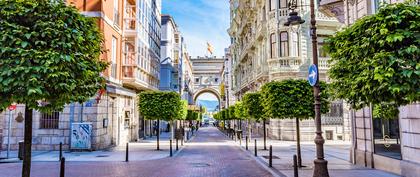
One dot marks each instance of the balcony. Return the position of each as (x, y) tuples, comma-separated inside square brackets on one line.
[(284, 64), (130, 20), (323, 63), (333, 8)]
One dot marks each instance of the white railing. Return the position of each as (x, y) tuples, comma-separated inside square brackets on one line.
[(323, 62), (285, 63), (322, 16)]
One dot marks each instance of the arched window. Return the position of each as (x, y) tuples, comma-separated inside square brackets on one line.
[(284, 44), (273, 47)]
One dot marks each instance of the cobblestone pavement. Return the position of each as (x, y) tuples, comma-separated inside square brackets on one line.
[(209, 154)]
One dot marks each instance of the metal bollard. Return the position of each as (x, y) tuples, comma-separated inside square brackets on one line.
[(246, 142), (126, 152), (177, 144), (270, 160), (188, 135), (62, 166), (61, 150), (255, 147), (295, 166), (170, 148)]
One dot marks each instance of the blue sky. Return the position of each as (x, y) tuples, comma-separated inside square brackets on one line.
[(200, 21)]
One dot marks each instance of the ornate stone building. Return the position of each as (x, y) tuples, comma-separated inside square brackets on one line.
[(390, 145), (264, 50)]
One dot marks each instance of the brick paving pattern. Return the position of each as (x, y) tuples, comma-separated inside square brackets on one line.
[(209, 154)]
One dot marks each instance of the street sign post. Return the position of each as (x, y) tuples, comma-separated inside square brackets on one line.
[(313, 75)]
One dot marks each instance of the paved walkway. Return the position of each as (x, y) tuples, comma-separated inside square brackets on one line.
[(143, 150), (337, 153), (209, 154)]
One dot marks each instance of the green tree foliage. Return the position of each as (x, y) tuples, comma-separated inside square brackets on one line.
[(292, 99), (385, 111), (160, 105), (240, 111), (184, 110), (49, 52), (376, 60), (253, 105), (231, 112)]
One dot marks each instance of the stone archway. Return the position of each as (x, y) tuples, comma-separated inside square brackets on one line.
[(208, 90)]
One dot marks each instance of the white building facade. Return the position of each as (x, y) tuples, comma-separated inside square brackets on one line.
[(265, 50)]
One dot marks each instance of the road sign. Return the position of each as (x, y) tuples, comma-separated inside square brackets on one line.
[(12, 107), (313, 75)]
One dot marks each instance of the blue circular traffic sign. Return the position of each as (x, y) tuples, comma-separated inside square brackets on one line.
[(313, 75)]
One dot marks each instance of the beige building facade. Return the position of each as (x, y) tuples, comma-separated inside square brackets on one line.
[(265, 50), (390, 145), (131, 30)]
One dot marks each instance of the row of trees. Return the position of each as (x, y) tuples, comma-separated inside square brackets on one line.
[(285, 99), (168, 106)]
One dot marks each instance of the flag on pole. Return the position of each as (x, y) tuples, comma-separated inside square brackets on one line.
[(210, 48)]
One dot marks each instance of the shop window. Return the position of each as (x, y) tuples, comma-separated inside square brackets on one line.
[(386, 134)]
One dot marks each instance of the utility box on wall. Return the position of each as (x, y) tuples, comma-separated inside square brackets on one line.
[(81, 136)]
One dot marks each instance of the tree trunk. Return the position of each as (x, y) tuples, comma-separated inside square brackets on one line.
[(249, 130), (158, 133), (265, 136), (26, 168), (299, 160)]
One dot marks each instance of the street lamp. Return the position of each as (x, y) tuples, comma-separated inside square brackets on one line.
[(320, 164)]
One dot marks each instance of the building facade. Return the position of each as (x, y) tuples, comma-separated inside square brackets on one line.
[(228, 98), (131, 31), (391, 145), (264, 50), (207, 72)]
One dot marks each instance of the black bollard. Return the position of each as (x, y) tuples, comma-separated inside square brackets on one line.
[(126, 152), (188, 135), (62, 166), (170, 148), (295, 166), (255, 148), (61, 150), (270, 160), (246, 142), (177, 144)]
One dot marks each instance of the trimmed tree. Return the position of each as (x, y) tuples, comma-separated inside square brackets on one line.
[(376, 60), (157, 105), (49, 57), (253, 105), (293, 99)]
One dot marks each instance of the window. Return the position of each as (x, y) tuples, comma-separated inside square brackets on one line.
[(114, 57), (283, 4), (386, 134), (272, 5), (284, 44), (116, 13), (273, 47), (197, 80), (49, 121), (216, 80)]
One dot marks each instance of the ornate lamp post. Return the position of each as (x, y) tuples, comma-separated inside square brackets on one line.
[(320, 164)]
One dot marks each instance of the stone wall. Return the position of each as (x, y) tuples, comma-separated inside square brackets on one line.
[(111, 109)]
